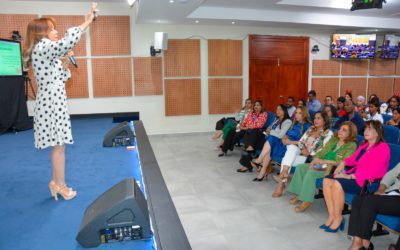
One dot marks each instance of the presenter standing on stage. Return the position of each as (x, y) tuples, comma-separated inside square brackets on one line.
[(52, 126)]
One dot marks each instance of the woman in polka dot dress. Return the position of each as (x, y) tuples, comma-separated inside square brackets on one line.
[(52, 127)]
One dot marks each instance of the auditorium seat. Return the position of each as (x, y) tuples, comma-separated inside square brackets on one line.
[(386, 118), (392, 134)]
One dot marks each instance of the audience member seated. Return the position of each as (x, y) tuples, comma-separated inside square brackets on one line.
[(275, 147), (313, 104), (360, 103), (277, 130), (341, 146), (301, 103), (352, 116), (330, 110), (365, 207), (374, 111), (392, 104), (348, 96), (250, 129), (340, 106), (369, 162), (309, 144), (232, 125), (290, 106), (327, 101), (395, 121)]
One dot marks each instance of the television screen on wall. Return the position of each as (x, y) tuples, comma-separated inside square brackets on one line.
[(10, 58), (390, 47), (353, 46)]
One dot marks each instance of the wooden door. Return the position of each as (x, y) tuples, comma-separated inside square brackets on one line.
[(278, 68)]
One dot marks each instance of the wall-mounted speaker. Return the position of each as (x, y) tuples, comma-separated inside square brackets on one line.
[(119, 214), (160, 41)]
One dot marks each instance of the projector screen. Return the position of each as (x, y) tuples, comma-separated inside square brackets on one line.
[(10, 58)]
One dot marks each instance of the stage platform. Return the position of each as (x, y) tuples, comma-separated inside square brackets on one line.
[(31, 219)]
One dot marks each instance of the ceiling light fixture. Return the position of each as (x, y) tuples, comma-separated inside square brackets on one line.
[(197, 21), (233, 22), (131, 2), (171, 1)]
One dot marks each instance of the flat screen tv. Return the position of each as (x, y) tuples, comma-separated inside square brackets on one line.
[(390, 47), (10, 58), (353, 46)]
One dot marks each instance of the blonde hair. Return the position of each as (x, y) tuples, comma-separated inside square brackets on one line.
[(37, 29), (305, 115)]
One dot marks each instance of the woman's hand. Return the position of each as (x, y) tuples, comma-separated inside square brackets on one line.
[(268, 130), (339, 168), (391, 122), (91, 12), (305, 152), (286, 141), (342, 175)]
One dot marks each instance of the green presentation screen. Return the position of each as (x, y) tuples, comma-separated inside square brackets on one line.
[(10, 58)]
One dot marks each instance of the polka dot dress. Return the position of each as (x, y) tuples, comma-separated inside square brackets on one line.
[(52, 125)]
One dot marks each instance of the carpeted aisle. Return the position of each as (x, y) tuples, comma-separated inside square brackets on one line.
[(29, 216)]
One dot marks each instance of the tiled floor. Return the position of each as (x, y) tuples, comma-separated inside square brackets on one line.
[(222, 209)]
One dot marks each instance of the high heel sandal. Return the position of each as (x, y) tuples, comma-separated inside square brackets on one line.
[(258, 166), (294, 200), (280, 187), (259, 179), (340, 227), (66, 192), (302, 207)]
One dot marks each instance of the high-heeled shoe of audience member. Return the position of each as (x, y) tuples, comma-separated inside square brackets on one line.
[(66, 192), (302, 207), (256, 165), (340, 227), (222, 154), (280, 188)]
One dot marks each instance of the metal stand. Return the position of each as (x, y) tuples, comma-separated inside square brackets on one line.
[(28, 84)]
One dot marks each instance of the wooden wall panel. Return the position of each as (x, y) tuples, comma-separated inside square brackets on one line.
[(325, 67), (224, 95), (225, 57), (110, 35), (11, 22), (355, 67), (398, 66), (324, 87), (382, 87), (182, 58), (396, 88), (358, 86), (148, 75), (182, 97), (382, 67), (77, 85), (112, 77), (65, 22)]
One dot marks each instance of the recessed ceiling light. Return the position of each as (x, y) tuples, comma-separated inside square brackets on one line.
[(158, 21), (197, 21), (171, 1), (131, 2), (233, 22)]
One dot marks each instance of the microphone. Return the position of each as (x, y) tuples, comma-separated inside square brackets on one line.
[(73, 61)]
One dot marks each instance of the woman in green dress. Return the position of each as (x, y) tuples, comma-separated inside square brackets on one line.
[(341, 146)]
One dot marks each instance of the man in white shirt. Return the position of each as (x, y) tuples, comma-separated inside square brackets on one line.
[(290, 106)]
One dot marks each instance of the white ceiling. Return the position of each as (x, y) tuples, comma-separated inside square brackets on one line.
[(322, 14)]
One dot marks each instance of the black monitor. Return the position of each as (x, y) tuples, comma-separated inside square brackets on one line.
[(10, 58)]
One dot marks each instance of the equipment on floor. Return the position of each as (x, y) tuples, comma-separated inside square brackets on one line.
[(120, 135), (119, 214)]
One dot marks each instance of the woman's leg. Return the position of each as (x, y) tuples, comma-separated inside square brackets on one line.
[(296, 184), (265, 163), (265, 151), (287, 161), (327, 190), (217, 135), (338, 204), (58, 164), (308, 186)]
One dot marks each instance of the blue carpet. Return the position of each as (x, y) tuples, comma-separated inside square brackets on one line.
[(29, 216)]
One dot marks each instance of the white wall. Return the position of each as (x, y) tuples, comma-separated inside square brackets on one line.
[(151, 108)]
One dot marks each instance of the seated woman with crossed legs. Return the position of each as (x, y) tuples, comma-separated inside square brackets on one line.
[(341, 146), (309, 144), (365, 207), (369, 162), (277, 129), (275, 147)]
